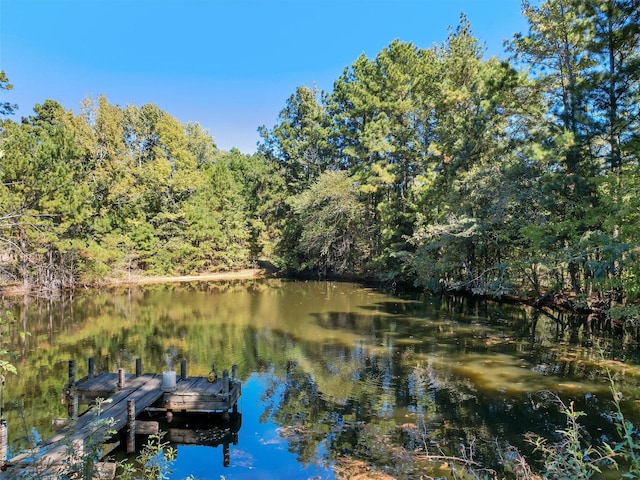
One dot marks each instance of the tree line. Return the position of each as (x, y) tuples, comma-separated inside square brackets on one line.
[(114, 191), (475, 175), (436, 166)]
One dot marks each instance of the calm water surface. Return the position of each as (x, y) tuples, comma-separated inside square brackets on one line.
[(335, 375)]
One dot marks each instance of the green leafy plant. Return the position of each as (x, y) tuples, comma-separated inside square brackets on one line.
[(572, 457), (83, 458), (155, 461), (628, 448)]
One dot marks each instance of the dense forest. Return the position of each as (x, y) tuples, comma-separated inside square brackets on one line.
[(515, 176)]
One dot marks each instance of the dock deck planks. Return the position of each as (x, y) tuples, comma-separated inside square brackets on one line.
[(54, 451), (191, 395)]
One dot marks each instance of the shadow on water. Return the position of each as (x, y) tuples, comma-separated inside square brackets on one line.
[(338, 378)]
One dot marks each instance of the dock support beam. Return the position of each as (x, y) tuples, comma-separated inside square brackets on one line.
[(131, 426), (138, 367), (183, 369)]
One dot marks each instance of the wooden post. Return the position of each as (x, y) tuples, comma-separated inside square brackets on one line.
[(225, 381), (131, 425), (72, 373), (91, 369), (72, 406), (72, 399), (234, 372), (121, 378), (138, 367), (226, 456), (4, 440), (183, 369)]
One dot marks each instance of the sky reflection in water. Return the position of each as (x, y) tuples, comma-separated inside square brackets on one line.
[(261, 453)]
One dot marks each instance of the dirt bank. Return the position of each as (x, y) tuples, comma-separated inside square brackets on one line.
[(248, 273), (205, 277)]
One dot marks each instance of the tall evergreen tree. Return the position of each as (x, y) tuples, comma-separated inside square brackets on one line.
[(612, 28), (556, 49), (466, 235), (6, 108), (299, 141), (379, 124), (47, 192)]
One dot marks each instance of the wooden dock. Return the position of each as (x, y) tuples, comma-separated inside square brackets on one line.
[(127, 397)]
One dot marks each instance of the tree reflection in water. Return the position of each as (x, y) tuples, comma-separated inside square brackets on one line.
[(354, 380)]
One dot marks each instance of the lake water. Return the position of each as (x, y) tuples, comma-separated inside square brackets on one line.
[(339, 380)]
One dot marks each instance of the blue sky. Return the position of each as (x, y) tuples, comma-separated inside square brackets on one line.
[(229, 65)]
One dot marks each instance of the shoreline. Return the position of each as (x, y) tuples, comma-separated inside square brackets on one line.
[(244, 274)]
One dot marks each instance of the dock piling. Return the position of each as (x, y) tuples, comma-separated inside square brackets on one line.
[(183, 369), (138, 367), (121, 378), (72, 373), (226, 455), (91, 367), (131, 426), (225, 382), (234, 372), (72, 406), (4, 440)]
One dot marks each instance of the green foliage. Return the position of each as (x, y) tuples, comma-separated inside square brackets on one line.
[(46, 194), (259, 180), (575, 457), (628, 445), (461, 172), (117, 191), (82, 461), (332, 235), (6, 108), (155, 461), (572, 457), (579, 60), (378, 120), (299, 143)]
